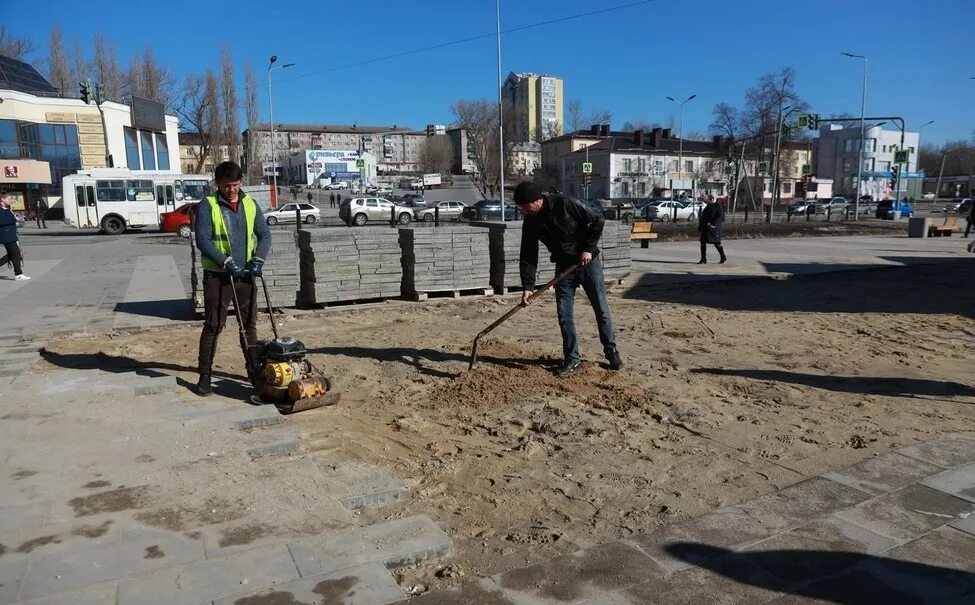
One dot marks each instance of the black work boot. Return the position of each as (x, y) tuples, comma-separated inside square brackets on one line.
[(615, 361), (721, 252), (203, 386), (568, 368)]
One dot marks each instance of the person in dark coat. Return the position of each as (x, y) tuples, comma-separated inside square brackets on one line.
[(8, 237), (709, 224), (310, 197), (331, 200), (971, 219), (39, 209)]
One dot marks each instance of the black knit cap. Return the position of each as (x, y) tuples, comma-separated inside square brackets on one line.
[(527, 192)]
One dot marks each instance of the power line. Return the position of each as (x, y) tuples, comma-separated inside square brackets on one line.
[(471, 39)]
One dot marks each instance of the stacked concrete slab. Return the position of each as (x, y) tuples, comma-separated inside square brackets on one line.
[(444, 259), (615, 248), (281, 271), (342, 264)]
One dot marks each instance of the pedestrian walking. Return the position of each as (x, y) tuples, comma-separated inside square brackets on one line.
[(8, 237), (970, 219), (233, 239), (709, 224), (39, 209), (294, 194), (570, 232), (310, 197), (331, 200)]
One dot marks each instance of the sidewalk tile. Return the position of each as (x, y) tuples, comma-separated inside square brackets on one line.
[(851, 587), (658, 545), (369, 584), (141, 551), (581, 575), (800, 503), (906, 513), (728, 579), (966, 524), (883, 474), (959, 482), (935, 567), (946, 451), (822, 548), (103, 594), (395, 543), (204, 581)]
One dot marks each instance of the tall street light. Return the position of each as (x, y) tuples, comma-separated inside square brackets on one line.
[(680, 134), (917, 166), (863, 135), (500, 113), (270, 108)]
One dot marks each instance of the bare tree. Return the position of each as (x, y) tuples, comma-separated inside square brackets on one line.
[(637, 124), (437, 154), (959, 158), (573, 111), (80, 66), (150, 75), (600, 116), (200, 109), (576, 120), (252, 113), (479, 117), (230, 106), (58, 73), (105, 66), (132, 81), (726, 120), (14, 47)]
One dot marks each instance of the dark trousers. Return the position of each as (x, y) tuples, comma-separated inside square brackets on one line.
[(40, 220), (217, 296), (591, 279), (968, 228), (13, 256)]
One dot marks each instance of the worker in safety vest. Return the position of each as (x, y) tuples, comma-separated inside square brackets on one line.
[(233, 239)]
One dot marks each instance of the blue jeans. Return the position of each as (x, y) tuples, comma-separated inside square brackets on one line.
[(591, 280)]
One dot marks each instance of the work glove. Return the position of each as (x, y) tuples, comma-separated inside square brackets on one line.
[(231, 267), (256, 267)]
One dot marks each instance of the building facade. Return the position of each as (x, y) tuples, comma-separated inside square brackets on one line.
[(319, 167), (523, 159), (463, 152), (44, 137), (397, 149), (191, 151), (837, 152), (537, 103)]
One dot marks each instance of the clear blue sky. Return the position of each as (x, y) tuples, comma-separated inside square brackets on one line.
[(921, 53)]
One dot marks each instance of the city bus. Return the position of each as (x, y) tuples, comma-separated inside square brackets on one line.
[(113, 199)]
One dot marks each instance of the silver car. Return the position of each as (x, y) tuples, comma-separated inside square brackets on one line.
[(360, 210), (449, 211)]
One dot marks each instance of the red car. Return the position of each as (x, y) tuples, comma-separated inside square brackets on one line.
[(177, 221)]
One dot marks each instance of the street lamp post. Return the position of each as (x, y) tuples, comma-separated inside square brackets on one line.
[(863, 135), (680, 134), (917, 166), (783, 112), (500, 112), (270, 110)]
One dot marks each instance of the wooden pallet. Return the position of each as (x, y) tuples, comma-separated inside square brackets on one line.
[(421, 296)]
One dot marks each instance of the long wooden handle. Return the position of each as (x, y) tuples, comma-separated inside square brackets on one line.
[(534, 295)]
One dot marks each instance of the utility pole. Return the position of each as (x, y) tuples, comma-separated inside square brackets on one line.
[(270, 109), (680, 135), (783, 111), (863, 135), (500, 113)]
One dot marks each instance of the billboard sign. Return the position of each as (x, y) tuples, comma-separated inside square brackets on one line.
[(148, 115)]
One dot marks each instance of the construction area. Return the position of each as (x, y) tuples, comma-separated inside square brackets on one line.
[(431, 482)]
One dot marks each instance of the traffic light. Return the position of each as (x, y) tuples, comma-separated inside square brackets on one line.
[(98, 94), (813, 122), (893, 180), (85, 92)]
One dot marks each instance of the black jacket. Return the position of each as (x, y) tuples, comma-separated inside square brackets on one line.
[(713, 215), (8, 226), (566, 227)]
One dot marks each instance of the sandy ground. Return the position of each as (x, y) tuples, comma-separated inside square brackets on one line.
[(731, 390)]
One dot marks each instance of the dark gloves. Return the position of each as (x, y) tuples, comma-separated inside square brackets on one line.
[(256, 267), (231, 267)]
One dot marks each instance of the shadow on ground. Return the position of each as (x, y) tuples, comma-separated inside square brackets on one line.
[(866, 385), (920, 287), (422, 359), (174, 309), (225, 385), (845, 578)]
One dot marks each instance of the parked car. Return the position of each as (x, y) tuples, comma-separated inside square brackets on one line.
[(416, 199), (803, 207), (360, 210), (384, 190), (886, 209), (620, 211), (449, 211), (962, 205), (177, 221), (695, 205), (286, 214), (666, 210), (338, 185), (487, 210), (929, 196), (832, 206)]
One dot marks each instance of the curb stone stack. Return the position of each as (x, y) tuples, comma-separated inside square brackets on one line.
[(444, 259), (347, 264), (615, 248), (281, 272)]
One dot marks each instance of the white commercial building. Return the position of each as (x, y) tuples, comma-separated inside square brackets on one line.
[(837, 153), (318, 167)]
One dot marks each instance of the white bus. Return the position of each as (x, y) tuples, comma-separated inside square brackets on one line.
[(114, 199)]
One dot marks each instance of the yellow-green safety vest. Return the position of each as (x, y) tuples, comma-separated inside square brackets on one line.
[(220, 235)]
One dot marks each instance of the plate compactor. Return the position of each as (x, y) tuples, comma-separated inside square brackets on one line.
[(279, 369)]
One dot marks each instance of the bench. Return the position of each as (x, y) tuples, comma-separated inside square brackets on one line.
[(947, 228), (641, 232)]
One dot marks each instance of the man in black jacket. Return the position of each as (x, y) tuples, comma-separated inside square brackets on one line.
[(571, 233)]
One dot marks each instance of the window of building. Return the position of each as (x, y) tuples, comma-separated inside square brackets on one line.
[(911, 149), (847, 166), (9, 146), (148, 155), (139, 191), (132, 148), (642, 189), (627, 165), (883, 166), (162, 152), (688, 165), (641, 165), (658, 166), (868, 164), (787, 187), (56, 144), (625, 188), (673, 165), (110, 191), (871, 145)]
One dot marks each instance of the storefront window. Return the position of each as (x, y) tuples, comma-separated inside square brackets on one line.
[(8, 140), (162, 152), (148, 156), (132, 149)]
